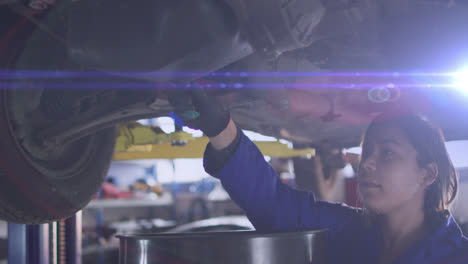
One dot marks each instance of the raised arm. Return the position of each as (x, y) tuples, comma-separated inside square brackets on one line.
[(251, 181), (270, 204), (225, 138)]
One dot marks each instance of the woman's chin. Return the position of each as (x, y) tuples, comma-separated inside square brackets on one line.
[(371, 205)]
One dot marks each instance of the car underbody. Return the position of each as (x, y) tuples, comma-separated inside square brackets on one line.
[(312, 72)]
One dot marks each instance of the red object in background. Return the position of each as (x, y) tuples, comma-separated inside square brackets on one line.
[(110, 191), (352, 197), (358, 97)]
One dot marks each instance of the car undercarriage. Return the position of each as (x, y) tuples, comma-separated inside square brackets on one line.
[(311, 72)]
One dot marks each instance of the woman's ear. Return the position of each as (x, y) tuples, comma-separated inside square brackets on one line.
[(432, 171)]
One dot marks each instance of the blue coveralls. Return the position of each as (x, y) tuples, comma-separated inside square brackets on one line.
[(272, 206)]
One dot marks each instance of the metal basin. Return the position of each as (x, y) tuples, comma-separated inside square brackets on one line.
[(236, 247)]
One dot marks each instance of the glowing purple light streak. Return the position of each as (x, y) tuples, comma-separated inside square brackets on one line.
[(139, 85), (31, 74)]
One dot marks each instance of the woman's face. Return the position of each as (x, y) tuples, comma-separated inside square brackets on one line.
[(388, 174)]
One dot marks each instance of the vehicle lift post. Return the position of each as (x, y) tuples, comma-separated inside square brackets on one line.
[(54, 243)]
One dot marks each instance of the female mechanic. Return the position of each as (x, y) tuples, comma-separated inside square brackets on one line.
[(406, 183)]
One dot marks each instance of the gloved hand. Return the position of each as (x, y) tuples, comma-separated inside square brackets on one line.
[(197, 110)]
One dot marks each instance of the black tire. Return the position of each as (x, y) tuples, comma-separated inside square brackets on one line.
[(36, 187), (36, 191)]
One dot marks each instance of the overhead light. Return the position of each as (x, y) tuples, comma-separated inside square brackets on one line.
[(461, 81)]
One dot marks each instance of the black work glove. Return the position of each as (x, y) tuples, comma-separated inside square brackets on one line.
[(197, 110)]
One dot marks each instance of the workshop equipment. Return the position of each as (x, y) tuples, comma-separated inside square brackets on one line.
[(136, 141), (247, 247)]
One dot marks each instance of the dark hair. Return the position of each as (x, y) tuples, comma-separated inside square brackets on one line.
[(429, 143)]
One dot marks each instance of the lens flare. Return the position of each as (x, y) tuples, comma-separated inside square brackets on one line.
[(462, 81)]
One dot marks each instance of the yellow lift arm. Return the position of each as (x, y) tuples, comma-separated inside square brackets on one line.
[(136, 141)]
